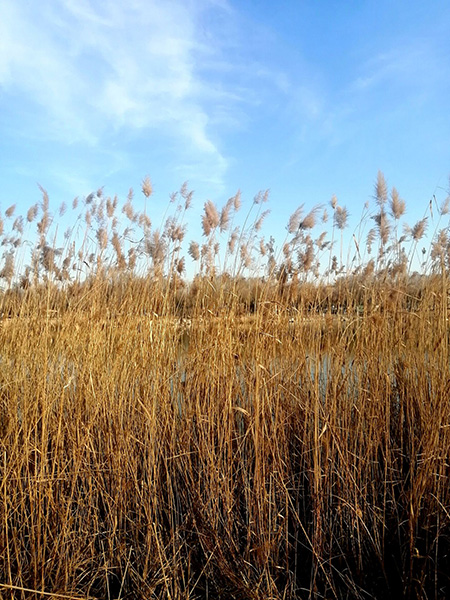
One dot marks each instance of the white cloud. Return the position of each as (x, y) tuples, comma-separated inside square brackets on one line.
[(395, 84), (36, 68), (95, 67), (182, 72), (417, 69)]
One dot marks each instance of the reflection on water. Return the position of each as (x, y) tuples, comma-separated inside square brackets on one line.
[(311, 371)]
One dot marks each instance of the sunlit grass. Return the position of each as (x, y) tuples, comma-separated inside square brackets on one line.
[(277, 428)]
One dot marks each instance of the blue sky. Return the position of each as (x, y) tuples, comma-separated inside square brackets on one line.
[(305, 98)]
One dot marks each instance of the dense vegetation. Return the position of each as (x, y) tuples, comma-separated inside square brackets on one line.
[(277, 427)]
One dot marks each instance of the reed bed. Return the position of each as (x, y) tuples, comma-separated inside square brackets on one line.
[(263, 431)]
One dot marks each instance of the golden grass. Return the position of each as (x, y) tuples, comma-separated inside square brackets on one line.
[(237, 438)]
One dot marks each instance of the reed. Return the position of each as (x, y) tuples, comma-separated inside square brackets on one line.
[(277, 427)]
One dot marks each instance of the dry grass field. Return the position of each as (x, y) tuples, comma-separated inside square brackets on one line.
[(246, 437)]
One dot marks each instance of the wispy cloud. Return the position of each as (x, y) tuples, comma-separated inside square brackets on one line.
[(417, 68), (34, 68), (95, 68), (394, 85), (180, 74)]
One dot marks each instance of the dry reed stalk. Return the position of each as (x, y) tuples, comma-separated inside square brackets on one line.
[(294, 436)]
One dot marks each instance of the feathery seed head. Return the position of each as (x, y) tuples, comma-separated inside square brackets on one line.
[(44, 223), (294, 220), (18, 225), (320, 242), (233, 239), (418, 231), (261, 197), (48, 258), (383, 225), (157, 248), (7, 271), (187, 195), (260, 221), (102, 237), (32, 213), (262, 247), (109, 208), (180, 265), (438, 247), (309, 221), (225, 217), (147, 188), (132, 258), (245, 256), (370, 240), (397, 205), (237, 200), (10, 211), (128, 209), (144, 221), (45, 199), (194, 250), (381, 190), (445, 207), (340, 217), (210, 219)]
